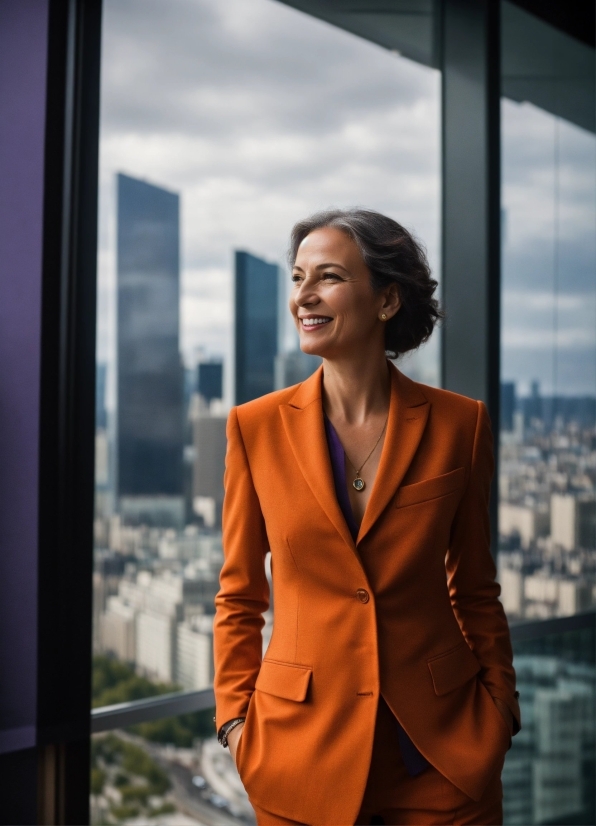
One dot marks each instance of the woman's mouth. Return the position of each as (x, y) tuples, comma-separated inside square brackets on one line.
[(313, 323)]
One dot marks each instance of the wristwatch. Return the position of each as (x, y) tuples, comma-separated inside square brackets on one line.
[(222, 735)]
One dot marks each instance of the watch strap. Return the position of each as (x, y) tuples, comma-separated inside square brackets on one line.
[(222, 735)]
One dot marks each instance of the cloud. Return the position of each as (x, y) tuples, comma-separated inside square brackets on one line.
[(525, 301), (200, 65), (549, 187)]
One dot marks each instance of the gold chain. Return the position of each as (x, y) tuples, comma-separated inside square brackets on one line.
[(368, 457)]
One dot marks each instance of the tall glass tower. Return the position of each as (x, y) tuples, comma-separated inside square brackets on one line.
[(150, 375), (256, 320)]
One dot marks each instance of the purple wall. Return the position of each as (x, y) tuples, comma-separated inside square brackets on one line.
[(23, 55)]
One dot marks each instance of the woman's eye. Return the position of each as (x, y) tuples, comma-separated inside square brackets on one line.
[(295, 278), (332, 276)]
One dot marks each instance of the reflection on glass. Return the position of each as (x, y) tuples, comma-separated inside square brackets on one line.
[(549, 771), (218, 131), (547, 479)]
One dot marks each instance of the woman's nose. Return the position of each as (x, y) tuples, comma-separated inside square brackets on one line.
[(306, 294)]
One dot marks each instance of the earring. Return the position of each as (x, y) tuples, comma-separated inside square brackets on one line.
[(383, 317)]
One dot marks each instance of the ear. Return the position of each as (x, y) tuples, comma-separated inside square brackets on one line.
[(391, 301)]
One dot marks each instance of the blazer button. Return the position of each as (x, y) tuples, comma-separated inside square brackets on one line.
[(362, 595)]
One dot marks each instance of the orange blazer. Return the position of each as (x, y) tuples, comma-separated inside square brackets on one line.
[(410, 610)]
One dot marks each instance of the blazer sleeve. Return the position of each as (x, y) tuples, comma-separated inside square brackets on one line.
[(244, 590), (471, 576)]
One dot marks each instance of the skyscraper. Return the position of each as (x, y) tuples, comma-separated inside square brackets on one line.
[(150, 375), (209, 437), (256, 320), (508, 404), (101, 418), (210, 380)]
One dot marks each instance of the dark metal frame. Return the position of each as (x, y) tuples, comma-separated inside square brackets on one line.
[(537, 629), (471, 218), (67, 411)]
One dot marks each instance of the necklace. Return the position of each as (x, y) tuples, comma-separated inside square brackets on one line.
[(359, 484)]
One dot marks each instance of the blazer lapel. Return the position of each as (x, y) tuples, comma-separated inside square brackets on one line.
[(303, 422), (408, 414)]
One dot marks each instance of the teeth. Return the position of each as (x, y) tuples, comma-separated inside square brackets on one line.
[(310, 322)]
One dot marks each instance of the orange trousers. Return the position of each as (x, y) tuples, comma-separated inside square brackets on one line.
[(391, 796)]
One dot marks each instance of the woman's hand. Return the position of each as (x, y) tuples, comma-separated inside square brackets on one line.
[(234, 739), (505, 711)]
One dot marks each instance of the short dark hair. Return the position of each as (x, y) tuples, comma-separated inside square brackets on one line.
[(393, 256)]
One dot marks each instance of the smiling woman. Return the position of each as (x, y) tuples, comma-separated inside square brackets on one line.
[(334, 690), (390, 257)]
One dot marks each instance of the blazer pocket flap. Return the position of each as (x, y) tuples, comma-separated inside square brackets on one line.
[(453, 669), (430, 488), (284, 680)]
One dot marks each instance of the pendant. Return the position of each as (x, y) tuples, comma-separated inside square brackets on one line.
[(358, 484)]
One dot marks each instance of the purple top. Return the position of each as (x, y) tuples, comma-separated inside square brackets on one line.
[(338, 465), (414, 762)]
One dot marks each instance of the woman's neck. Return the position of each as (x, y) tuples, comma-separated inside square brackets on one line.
[(354, 390)]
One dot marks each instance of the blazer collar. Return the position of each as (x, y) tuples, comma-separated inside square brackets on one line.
[(408, 414), (303, 421)]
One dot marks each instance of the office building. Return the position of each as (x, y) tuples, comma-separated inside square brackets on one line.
[(512, 590), (155, 652), (575, 595), (101, 418), (209, 439), (194, 658), (117, 630), (150, 374), (508, 405), (533, 406), (563, 714), (102, 459), (527, 523), (573, 521), (256, 326), (141, 624), (563, 520), (210, 380)]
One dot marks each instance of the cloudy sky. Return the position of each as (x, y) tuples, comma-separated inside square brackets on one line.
[(549, 252), (257, 115)]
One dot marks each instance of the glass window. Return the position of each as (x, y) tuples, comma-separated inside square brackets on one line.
[(168, 773), (547, 512), (549, 772), (222, 123)]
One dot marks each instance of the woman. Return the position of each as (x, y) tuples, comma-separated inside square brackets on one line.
[(387, 692)]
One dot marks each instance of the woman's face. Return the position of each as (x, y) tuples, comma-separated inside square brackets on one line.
[(335, 308)]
